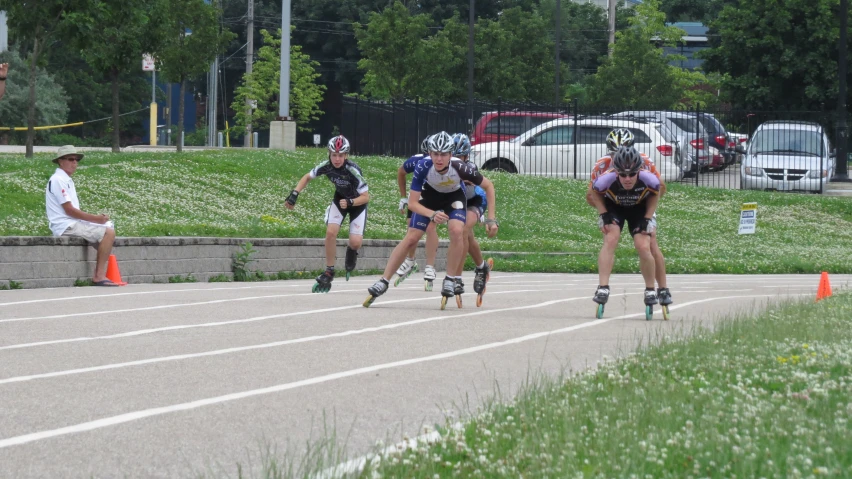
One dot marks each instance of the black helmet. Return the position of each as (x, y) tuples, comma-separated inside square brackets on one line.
[(627, 160)]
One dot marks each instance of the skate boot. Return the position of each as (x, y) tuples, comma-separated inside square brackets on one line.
[(406, 269), (665, 297), (601, 297), (429, 276), (459, 290), (479, 281), (323, 284), (448, 290), (351, 261), (650, 301), (378, 288)]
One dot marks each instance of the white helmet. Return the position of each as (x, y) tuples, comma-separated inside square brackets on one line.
[(338, 144), (442, 143)]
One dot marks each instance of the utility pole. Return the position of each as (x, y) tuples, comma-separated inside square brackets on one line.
[(556, 96), (611, 26), (212, 96), (284, 80), (471, 20), (841, 172), (249, 60)]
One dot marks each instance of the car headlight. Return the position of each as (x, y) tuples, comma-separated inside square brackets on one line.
[(817, 174), (753, 171)]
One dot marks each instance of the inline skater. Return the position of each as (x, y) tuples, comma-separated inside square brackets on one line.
[(626, 194), (437, 196), (350, 198), (476, 205), (624, 137), (409, 266)]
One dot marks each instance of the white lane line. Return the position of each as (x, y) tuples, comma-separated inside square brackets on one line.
[(146, 413), (179, 305), (140, 332), (287, 342)]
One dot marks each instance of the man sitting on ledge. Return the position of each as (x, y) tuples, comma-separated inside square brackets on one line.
[(66, 218)]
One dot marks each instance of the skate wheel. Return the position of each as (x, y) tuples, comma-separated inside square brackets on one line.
[(427, 286), (443, 303), (600, 311), (348, 274), (665, 309), (315, 288), (459, 301), (490, 262), (649, 312), (479, 300), (369, 301)]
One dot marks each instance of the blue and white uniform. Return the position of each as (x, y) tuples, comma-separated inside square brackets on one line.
[(442, 191)]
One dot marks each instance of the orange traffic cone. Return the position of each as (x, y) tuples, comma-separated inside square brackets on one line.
[(824, 289), (113, 274)]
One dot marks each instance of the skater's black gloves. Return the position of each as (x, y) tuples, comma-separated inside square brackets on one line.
[(291, 200), (644, 226), (607, 218), (492, 222), (349, 203)]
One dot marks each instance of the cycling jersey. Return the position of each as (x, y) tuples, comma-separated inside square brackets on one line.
[(605, 164), (411, 163), (426, 176), (646, 184), (348, 180)]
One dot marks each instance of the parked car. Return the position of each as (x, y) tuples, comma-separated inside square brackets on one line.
[(550, 148), (719, 138), (788, 156), (693, 150), (505, 125)]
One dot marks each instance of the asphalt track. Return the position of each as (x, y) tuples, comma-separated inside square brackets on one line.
[(171, 380)]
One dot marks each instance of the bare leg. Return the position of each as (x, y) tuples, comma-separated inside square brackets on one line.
[(473, 245), (646, 259), (659, 263), (331, 244), (104, 250), (398, 254), (606, 258), (431, 244), (456, 251)]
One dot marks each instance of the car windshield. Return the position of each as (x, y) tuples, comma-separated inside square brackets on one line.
[(787, 141)]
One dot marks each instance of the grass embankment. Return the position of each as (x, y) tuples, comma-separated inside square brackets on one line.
[(758, 397), (241, 194)]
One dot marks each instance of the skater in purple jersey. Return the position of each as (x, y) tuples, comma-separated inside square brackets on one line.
[(630, 195)]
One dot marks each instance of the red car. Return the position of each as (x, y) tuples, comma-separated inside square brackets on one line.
[(511, 124)]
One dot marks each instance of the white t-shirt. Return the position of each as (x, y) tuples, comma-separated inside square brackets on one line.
[(60, 189)]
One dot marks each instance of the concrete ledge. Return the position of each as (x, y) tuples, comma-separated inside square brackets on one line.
[(46, 261)]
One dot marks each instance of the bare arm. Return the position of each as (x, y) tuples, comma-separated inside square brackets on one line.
[(299, 187), (651, 205), (82, 215), (491, 198), (4, 71), (401, 175), (597, 200)]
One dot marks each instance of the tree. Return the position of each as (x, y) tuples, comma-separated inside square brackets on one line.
[(262, 86), (34, 25), (393, 49), (638, 75), (778, 53), (50, 107), (124, 31), (192, 39)]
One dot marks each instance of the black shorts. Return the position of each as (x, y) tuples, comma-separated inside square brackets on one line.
[(633, 215), (453, 204), (475, 202)]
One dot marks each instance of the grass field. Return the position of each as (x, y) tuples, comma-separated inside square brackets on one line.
[(766, 396), (241, 194)]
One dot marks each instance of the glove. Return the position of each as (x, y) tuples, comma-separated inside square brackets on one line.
[(291, 200), (644, 226), (349, 203), (403, 204), (607, 218)]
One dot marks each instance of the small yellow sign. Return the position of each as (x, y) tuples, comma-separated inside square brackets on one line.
[(748, 219)]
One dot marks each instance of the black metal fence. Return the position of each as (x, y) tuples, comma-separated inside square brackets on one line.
[(773, 150)]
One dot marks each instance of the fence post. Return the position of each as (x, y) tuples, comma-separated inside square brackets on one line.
[(393, 127), (574, 134), (417, 120), (703, 141), (355, 125), (499, 127)]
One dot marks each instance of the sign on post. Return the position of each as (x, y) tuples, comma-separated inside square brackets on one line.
[(148, 64), (316, 140), (748, 219)]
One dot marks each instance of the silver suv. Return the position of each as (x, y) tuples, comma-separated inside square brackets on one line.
[(788, 156)]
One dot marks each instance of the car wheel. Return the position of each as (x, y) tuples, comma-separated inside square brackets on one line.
[(500, 164)]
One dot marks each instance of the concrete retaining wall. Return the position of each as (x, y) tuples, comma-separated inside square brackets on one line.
[(41, 262)]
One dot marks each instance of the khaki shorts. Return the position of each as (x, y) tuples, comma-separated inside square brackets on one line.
[(88, 231)]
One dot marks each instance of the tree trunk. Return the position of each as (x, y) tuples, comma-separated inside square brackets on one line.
[(116, 118), (31, 111), (180, 114)]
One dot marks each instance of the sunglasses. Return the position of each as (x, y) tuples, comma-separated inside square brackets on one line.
[(71, 158), (628, 175)]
